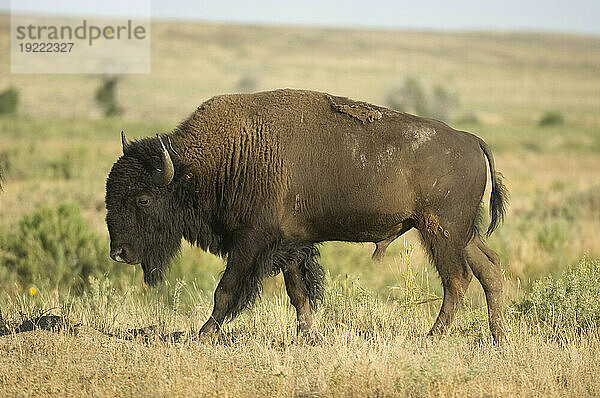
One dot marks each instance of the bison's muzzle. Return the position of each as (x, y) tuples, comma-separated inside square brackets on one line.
[(123, 254)]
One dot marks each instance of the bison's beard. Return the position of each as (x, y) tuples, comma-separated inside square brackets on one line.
[(157, 261), (153, 274)]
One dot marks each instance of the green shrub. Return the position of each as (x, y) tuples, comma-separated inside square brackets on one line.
[(9, 100), (106, 96), (551, 118), (570, 303), (468, 118), (248, 83), (413, 97), (54, 245), (410, 97), (443, 103)]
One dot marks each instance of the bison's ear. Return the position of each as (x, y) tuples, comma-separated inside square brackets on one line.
[(124, 142)]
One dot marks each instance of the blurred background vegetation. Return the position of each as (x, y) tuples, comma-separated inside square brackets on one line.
[(535, 98)]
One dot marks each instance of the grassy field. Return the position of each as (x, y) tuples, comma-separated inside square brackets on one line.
[(369, 334)]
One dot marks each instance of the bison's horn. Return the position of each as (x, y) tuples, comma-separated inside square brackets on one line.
[(124, 142), (163, 177)]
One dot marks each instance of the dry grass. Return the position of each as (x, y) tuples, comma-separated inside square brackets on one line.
[(360, 346), (341, 364)]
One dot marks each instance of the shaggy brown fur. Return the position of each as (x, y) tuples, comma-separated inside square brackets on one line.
[(262, 178)]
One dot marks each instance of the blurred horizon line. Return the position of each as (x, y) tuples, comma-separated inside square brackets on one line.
[(578, 17), (332, 26)]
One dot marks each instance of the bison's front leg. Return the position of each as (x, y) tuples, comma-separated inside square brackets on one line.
[(298, 297), (223, 297), (240, 284)]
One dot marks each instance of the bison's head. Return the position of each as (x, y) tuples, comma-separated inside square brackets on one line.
[(142, 215)]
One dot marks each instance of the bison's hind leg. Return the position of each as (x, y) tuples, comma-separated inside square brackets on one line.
[(446, 249), (485, 264), (304, 281)]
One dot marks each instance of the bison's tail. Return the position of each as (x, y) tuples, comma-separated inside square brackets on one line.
[(499, 196)]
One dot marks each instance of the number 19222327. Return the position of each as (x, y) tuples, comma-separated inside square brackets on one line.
[(45, 47)]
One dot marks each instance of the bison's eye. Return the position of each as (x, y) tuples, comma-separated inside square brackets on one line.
[(143, 200)]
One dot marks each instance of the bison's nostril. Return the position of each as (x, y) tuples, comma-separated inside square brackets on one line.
[(115, 254)]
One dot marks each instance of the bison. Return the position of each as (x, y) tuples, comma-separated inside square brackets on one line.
[(261, 179)]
